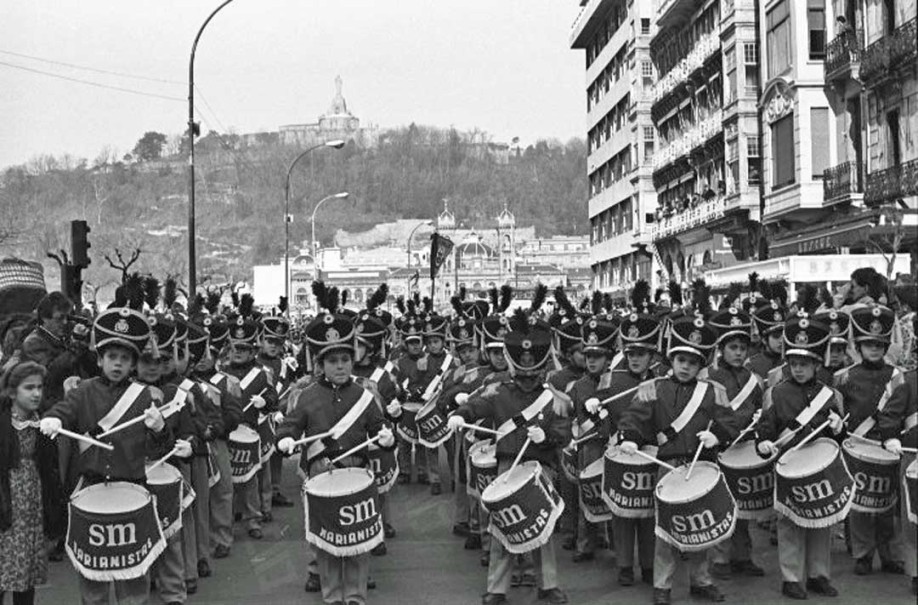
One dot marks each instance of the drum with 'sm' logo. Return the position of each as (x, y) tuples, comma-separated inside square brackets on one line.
[(813, 487), (524, 507), (342, 512)]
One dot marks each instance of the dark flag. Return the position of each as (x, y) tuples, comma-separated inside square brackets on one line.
[(413, 280), (440, 248)]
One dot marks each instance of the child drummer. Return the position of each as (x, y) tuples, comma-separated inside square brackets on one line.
[(528, 348), (95, 405), (803, 552), (334, 400), (678, 413)]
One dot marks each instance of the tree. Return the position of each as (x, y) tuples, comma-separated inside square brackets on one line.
[(150, 146)]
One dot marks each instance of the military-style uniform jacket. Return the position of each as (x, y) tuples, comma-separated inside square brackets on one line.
[(582, 422), (744, 390), (763, 362), (862, 387), (378, 378), (782, 372), (317, 409), (649, 418), (563, 380), (784, 402), (201, 410), (899, 419), (224, 392), (253, 380), (282, 372), (613, 383)]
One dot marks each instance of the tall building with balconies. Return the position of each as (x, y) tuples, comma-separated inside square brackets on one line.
[(615, 35), (707, 168)]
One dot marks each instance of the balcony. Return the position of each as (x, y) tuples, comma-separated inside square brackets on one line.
[(690, 218), (693, 138), (890, 53), (891, 184), (704, 48), (843, 56), (842, 183)]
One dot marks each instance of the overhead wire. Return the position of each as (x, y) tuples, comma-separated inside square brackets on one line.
[(91, 83), (92, 69)]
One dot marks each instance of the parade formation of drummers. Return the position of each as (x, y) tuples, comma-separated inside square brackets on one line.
[(664, 427)]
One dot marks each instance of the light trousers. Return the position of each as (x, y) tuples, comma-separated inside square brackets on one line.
[(221, 498), (803, 553)]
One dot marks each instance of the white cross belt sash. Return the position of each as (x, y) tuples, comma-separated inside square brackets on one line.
[(435, 383), (744, 394), (249, 378), (687, 414), (911, 421), (377, 375), (343, 425), (867, 425), (528, 414), (121, 407), (809, 412)]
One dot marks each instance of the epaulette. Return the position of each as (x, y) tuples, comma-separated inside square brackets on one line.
[(491, 389), (841, 376)]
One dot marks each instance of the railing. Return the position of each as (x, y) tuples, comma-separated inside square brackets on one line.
[(841, 180), (706, 46), (841, 52), (892, 183), (690, 218), (890, 52), (698, 135)]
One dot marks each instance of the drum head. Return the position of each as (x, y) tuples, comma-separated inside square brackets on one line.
[(809, 459), (615, 453), (912, 469), (869, 452), (339, 482), (742, 455), (511, 481), (109, 498), (243, 434), (163, 474), (485, 457), (594, 469), (674, 488)]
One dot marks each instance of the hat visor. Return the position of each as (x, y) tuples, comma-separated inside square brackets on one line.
[(319, 353), (117, 342), (411, 337), (530, 370), (495, 344), (880, 338), (703, 355), (640, 346), (802, 353), (744, 334), (597, 349)]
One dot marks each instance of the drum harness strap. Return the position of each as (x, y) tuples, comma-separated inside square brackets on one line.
[(249, 378), (121, 406), (670, 432), (775, 374), (316, 448), (807, 414), (895, 380), (526, 415), (744, 394), (911, 421), (435, 383)]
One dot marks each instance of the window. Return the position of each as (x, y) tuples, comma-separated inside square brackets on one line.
[(752, 146), (819, 139), (779, 39), (750, 53), (645, 26), (730, 60), (751, 61), (648, 143), (816, 25), (782, 136), (647, 69)]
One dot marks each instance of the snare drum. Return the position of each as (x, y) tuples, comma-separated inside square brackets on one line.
[(384, 464), (813, 487), (431, 425), (342, 512), (524, 507), (910, 489), (113, 532), (245, 453), (594, 506), (213, 471), (628, 481), (407, 423), (166, 485), (876, 476), (569, 464), (696, 514), (266, 433), (751, 480), (482, 467)]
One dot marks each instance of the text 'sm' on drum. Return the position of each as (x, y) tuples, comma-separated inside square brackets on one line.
[(628, 481), (697, 513), (245, 453), (342, 512), (524, 507), (168, 488), (407, 426), (594, 506), (876, 476), (431, 424), (113, 532), (384, 464), (751, 480), (482, 467), (813, 487)]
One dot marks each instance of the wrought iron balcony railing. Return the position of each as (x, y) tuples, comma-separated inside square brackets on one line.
[(842, 180), (890, 184), (842, 52), (889, 53)]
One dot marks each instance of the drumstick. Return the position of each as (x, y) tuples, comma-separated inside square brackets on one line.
[(312, 438), (481, 429), (910, 450), (865, 439), (697, 453), (812, 435), (135, 420), (518, 458), (620, 395), (246, 408), (163, 459), (85, 439), (356, 448), (655, 459), (743, 432)]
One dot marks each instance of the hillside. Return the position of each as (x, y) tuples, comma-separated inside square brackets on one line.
[(240, 198)]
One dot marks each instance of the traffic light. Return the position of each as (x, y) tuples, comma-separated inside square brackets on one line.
[(79, 243)]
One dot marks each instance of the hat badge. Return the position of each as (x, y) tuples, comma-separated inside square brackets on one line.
[(876, 311), (804, 323), (526, 345), (328, 318), (633, 332), (779, 317), (332, 335), (463, 334), (240, 333), (121, 326), (736, 321), (593, 323), (834, 328), (801, 338), (699, 323), (695, 337), (876, 327), (593, 338), (359, 328), (733, 311)]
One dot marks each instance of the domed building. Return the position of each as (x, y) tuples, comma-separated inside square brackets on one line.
[(336, 123)]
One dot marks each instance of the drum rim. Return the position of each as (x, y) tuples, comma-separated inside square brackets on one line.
[(172, 471), (621, 457), (348, 470), (99, 487), (783, 462), (599, 462), (760, 462), (533, 467), (242, 429), (851, 450), (698, 464)]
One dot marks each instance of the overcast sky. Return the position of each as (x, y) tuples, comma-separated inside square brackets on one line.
[(501, 65)]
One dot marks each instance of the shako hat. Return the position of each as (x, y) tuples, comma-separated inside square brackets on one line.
[(873, 323), (805, 337)]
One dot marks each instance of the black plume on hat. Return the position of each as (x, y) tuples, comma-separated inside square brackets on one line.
[(400, 305), (732, 297), (506, 297), (538, 297), (494, 296), (133, 288), (213, 302), (675, 293), (701, 297), (151, 291), (596, 303), (563, 303), (379, 297), (170, 293), (640, 295)]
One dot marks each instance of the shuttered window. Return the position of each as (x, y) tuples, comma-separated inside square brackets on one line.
[(782, 137), (819, 127)]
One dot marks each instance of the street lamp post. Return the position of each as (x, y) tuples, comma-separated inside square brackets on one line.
[(411, 235), (337, 144), (192, 263), (315, 248)]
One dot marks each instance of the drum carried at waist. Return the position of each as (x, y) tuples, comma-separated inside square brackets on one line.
[(697, 513), (384, 464), (569, 464), (342, 512), (910, 489), (628, 481), (813, 487), (594, 506), (407, 426), (876, 475), (113, 531), (751, 480), (172, 496), (524, 507), (213, 470), (431, 424), (266, 433), (245, 453), (482, 467)]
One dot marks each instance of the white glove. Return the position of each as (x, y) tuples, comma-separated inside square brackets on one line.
[(461, 398), (893, 446), (536, 434), (50, 426), (71, 382), (455, 422), (766, 447), (629, 447), (286, 445), (394, 408), (183, 448), (153, 419), (386, 438), (278, 417), (836, 423), (257, 402), (708, 438), (592, 405)]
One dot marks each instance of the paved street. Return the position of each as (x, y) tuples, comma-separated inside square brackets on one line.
[(427, 565)]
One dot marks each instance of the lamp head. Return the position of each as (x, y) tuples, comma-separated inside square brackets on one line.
[(337, 144)]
